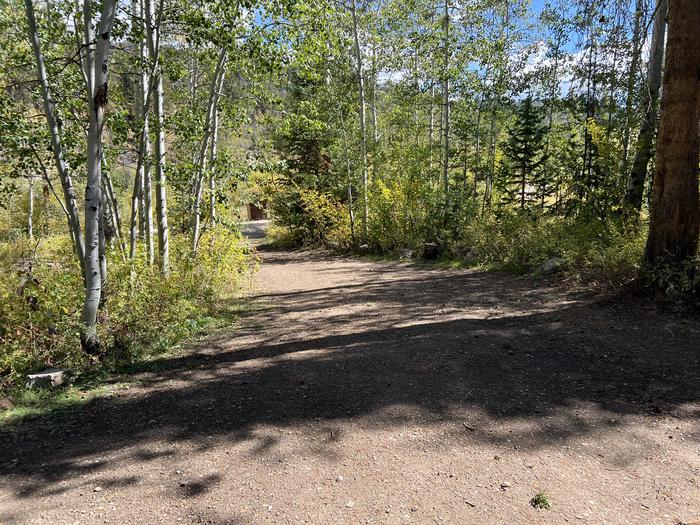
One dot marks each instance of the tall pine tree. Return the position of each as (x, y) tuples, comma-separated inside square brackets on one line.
[(522, 180)]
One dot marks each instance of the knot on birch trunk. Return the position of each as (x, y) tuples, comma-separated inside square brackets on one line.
[(101, 96), (90, 342)]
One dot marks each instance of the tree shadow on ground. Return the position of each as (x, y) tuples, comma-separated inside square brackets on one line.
[(553, 368)]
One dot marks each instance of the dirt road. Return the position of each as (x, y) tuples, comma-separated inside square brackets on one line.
[(367, 392)]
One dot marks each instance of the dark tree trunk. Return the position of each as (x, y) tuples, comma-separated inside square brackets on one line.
[(675, 212)]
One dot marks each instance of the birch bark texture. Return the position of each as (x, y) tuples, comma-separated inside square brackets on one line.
[(153, 41), (57, 149), (362, 111), (212, 167), (113, 204), (632, 76), (30, 210), (95, 268), (145, 150), (446, 108), (142, 195), (212, 107)]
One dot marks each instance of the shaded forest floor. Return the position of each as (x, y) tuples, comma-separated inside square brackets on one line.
[(379, 392)]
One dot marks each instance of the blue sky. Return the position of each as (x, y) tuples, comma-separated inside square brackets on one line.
[(537, 5)]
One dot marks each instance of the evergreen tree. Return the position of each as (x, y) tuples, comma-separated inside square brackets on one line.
[(521, 177)]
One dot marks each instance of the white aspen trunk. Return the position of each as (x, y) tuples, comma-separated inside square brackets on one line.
[(30, 210), (193, 79), (55, 133), (375, 128), (136, 207), (214, 149), (103, 249), (217, 78), (145, 152), (351, 212), (477, 155), (361, 111), (446, 109), (161, 197), (431, 125), (141, 210), (212, 160), (586, 183), (147, 189), (491, 158), (113, 204), (88, 58), (108, 209), (631, 76), (156, 87), (142, 196), (465, 163), (133, 222), (415, 98), (142, 181), (112, 210), (373, 113), (95, 268)]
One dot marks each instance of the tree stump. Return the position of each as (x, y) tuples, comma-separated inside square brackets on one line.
[(431, 251)]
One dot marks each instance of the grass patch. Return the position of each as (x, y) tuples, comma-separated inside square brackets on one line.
[(105, 378), (29, 404), (541, 501)]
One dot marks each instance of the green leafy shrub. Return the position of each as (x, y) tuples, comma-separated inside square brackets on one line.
[(39, 308), (408, 213), (541, 501), (311, 217), (594, 250), (143, 311), (679, 287)]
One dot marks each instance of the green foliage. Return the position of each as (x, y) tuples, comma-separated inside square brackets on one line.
[(552, 165), (680, 285), (304, 138), (406, 216), (39, 401), (143, 312), (541, 501), (522, 179), (310, 216), (603, 251), (408, 213), (290, 109), (599, 189), (39, 308)]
